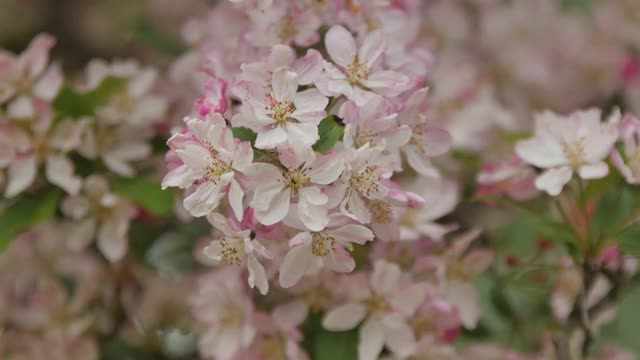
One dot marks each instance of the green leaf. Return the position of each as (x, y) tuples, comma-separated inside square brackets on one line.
[(613, 208), (578, 5), (147, 193), (26, 212), (335, 345), (146, 33), (172, 253), (629, 239), (330, 133), (244, 134), (70, 102), (118, 349)]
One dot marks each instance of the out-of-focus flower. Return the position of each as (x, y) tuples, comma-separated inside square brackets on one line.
[(511, 177), (563, 145), (26, 79), (222, 304), (98, 213), (628, 162), (386, 306)]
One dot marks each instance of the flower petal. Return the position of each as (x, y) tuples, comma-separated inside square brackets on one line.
[(341, 45), (344, 317)]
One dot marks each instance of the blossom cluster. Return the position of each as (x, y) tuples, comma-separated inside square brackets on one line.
[(336, 179)]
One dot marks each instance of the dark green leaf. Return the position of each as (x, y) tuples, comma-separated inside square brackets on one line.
[(70, 102), (118, 349), (335, 345), (330, 133), (26, 212), (244, 134), (147, 193)]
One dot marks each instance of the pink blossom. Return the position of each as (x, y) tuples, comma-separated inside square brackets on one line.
[(363, 179), (210, 163), (234, 246), (511, 177), (386, 306), (356, 73), (26, 77), (327, 247), (563, 145), (303, 181), (214, 99), (628, 162), (281, 114), (427, 140)]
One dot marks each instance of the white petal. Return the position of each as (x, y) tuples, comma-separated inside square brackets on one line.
[(340, 45), (407, 300), (236, 194), (22, 172), (314, 217), (284, 84), (553, 180), (304, 134), (295, 265), (204, 200), (372, 48), (59, 171), (271, 138), (540, 153), (398, 336), (277, 209), (344, 317), (257, 275), (385, 277), (594, 171), (325, 169), (352, 233), (371, 340)]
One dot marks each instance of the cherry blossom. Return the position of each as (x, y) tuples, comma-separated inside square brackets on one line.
[(328, 247), (564, 145), (385, 306), (301, 181), (356, 73), (210, 160), (236, 245), (282, 114)]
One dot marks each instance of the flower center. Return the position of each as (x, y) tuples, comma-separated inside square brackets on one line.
[(418, 133), (366, 181), (296, 179), (322, 244), (365, 136), (287, 29), (216, 168), (380, 212), (574, 152), (280, 111), (377, 303), (229, 253), (356, 72)]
